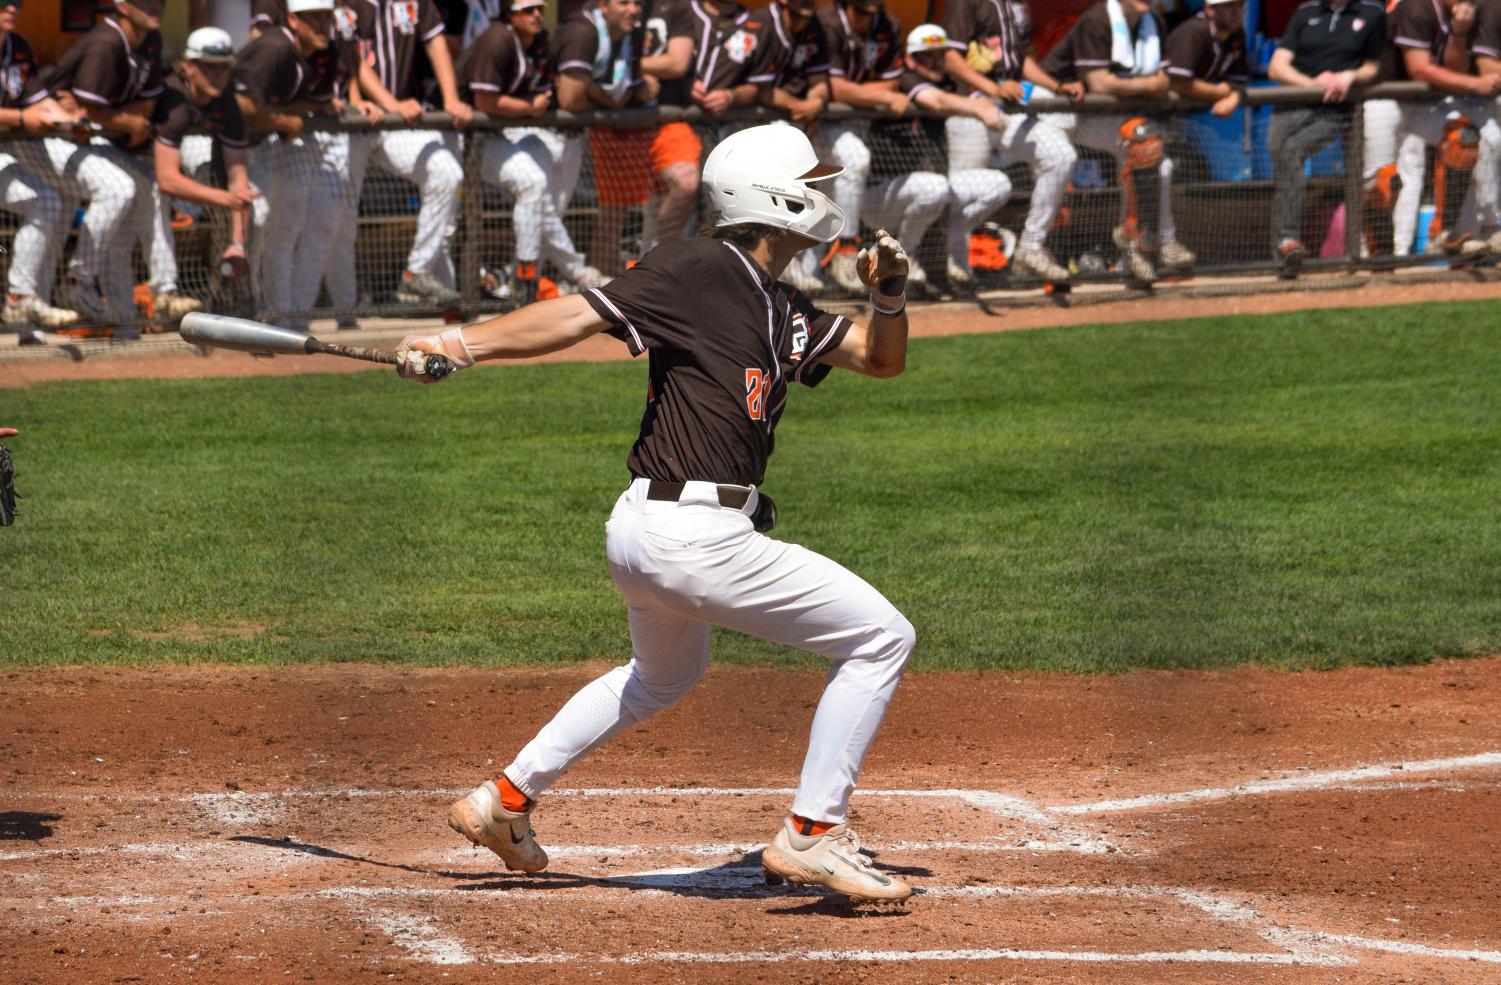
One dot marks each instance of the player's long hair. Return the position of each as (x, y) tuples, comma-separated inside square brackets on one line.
[(746, 236)]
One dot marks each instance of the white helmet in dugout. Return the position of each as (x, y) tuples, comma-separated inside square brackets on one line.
[(765, 175)]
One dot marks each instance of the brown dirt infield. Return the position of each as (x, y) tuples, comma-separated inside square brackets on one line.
[(249, 825)]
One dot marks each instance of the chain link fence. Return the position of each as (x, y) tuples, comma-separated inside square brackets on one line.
[(412, 220)]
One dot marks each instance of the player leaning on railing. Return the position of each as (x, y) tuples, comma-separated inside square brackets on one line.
[(686, 543)]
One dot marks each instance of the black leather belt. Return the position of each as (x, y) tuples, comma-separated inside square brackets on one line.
[(731, 497)]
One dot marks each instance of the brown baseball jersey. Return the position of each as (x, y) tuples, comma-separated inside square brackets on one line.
[(583, 46), (909, 144), (1193, 51), (17, 69), (873, 56), (1417, 25), (390, 32), (1002, 29), (1485, 36), (672, 19), (176, 114), (496, 63), (787, 61), (102, 69), (270, 70), (1087, 46), (725, 342)]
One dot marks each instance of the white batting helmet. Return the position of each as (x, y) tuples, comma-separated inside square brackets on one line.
[(765, 175)]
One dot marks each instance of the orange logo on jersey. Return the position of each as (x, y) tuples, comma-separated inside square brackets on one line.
[(755, 393)]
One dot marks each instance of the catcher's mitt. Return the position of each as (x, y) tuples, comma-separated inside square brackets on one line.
[(7, 489)]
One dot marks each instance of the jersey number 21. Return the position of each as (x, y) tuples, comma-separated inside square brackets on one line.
[(755, 394)]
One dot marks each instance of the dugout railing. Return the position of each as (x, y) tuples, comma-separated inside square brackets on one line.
[(1222, 191)]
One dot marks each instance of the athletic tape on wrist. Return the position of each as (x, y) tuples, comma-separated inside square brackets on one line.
[(456, 348), (901, 306)]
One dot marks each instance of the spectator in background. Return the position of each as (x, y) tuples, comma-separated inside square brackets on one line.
[(39, 240), (507, 73), (1431, 43), (793, 68), (274, 83), (597, 69), (865, 66), (1205, 57), (199, 95), (1331, 45), (390, 32), (990, 53), (1115, 49), (916, 145), (114, 73)]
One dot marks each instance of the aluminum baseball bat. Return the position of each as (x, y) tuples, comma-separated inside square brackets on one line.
[(244, 335)]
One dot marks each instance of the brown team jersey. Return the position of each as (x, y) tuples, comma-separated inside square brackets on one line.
[(17, 69), (176, 114), (723, 45), (1193, 52), (1087, 44), (873, 56), (496, 63), (583, 46), (1001, 29), (271, 71), (787, 61), (1485, 36), (101, 69), (390, 32), (725, 342), (1417, 25)]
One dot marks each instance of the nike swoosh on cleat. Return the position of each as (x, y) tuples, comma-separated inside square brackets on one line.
[(515, 840)]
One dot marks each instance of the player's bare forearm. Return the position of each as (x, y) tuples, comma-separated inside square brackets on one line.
[(955, 65), (866, 94), (877, 348), (537, 329), (1200, 91)]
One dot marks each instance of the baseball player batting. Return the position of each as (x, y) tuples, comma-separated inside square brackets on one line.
[(686, 542)]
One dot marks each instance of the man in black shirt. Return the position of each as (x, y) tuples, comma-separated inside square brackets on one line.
[(1330, 45), (685, 543)]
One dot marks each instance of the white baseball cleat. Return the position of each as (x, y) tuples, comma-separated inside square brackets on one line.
[(1175, 256), (480, 818), (832, 860), (1039, 263), (23, 309)]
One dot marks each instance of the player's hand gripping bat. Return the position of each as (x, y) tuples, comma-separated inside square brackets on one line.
[(883, 267), (244, 335)]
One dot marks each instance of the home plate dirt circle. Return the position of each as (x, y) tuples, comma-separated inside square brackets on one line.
[(182, 824)]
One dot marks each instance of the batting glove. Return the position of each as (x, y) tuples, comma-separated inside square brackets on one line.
[(414, 350), (883, 269)]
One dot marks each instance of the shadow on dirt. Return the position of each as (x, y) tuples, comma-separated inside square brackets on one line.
[(26, 825)]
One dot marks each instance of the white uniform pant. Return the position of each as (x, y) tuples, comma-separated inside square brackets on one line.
[(119, 193), (1382, 117), (683, 567), (1029, 138), (34, 250), (540, 169), (1422, 126), (286, 238), (1103, 132), (907, 205), (195, 152), (844, 144), (431, 160)]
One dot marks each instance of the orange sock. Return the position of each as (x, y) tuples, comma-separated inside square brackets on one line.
[(807, 828), (511, 798)]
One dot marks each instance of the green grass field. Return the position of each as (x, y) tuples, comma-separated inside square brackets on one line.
[(1301, 490)]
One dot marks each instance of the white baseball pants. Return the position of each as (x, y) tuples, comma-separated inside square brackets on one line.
[(843, 144), (1029, 138), (431, 160), (907, 205), (160, 245), (286, 238), (1103, 132), (1382, 116), (540, 169), (35, 248), (1422, 126), (118, 190), (683, 567)]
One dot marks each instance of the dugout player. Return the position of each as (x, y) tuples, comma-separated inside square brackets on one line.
[(200, 95), (598, 69), (274, 83), (990, 55), (37, 242), (865, 64), (1430, 44), (507, 73), (390, 33), (114, 73), (971, 194), (686, 543), (1205, 57), (1331, 45), (1115, 49)]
